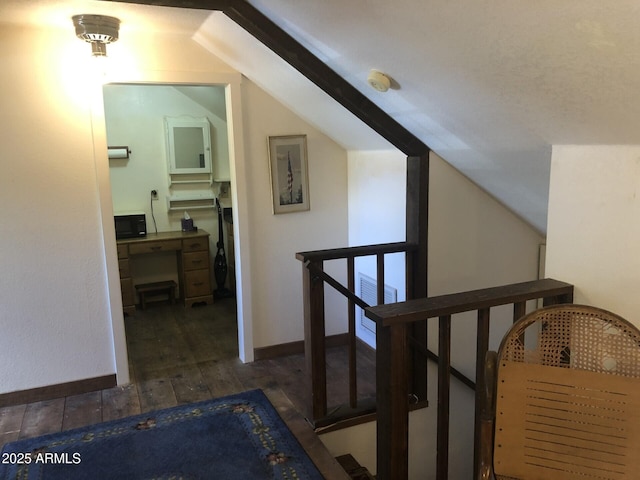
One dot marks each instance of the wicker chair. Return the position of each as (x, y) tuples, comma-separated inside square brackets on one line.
[(563, 398)]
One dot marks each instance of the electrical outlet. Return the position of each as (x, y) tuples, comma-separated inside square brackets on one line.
[(154, 194)]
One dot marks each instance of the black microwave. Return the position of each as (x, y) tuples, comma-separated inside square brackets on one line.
[(130, 225)]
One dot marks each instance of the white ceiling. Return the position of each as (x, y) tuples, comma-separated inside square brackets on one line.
[(490, 86)]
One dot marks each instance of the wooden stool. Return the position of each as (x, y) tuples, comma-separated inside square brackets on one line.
[(167, 286)]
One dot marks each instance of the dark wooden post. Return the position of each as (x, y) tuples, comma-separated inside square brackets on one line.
[(392, 404), (417, 223), (353, 374), (482, 346), (314, 340), (519, 309), (398, 372), (380, 278), (562, 298), (444, 394), (417, 211)]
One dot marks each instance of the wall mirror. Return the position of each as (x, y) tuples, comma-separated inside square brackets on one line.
[(188, 145)]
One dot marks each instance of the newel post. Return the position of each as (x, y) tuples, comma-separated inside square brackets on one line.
[(417, 222), (392, 386), (314, 339)]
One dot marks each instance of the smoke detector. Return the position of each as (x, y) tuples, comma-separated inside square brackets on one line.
[(379, 81)]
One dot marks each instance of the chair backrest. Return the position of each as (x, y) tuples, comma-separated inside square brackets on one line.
[(568, 396)]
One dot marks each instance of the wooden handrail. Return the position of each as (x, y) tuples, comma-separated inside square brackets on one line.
[(357, 251), (392, 359), (432, 307)]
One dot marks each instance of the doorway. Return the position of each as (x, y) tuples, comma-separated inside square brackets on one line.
[(148, 153), (141, 119)]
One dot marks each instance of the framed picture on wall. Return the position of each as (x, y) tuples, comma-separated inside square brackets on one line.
[(289, 175)]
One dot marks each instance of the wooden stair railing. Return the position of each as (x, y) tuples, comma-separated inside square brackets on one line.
[(314, 279), (396, 349), (392, 360)]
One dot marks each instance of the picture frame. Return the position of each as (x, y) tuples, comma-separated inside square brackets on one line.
[(288, 165)]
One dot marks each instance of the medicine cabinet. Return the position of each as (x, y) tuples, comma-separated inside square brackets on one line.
[(189, 157), (188, 146)]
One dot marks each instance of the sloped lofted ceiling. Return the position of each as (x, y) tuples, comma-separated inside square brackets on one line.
[(490, 86)]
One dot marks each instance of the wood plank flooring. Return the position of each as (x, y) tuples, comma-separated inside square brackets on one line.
[(180, 355)]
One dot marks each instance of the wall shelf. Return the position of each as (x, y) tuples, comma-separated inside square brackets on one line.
[(190, 202), (190, 179)]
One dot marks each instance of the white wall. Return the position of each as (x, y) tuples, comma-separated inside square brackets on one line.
[(275, 239), (54, 304), (59, 322), (377, 184), (593, 227), (474, 242)]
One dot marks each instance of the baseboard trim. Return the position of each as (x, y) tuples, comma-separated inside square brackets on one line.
[(294, 348), (57, 391)]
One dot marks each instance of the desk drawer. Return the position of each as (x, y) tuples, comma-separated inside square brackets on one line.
[(126, 285), (195, 244), (154, 247), (196, 260), (197, 283), (123, 251), (123, 265)]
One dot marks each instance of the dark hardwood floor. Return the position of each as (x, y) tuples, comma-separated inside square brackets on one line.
[(180, 355)]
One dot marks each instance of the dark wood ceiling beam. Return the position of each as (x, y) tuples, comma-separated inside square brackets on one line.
[(285, 46), (294, 53), (194, 4)]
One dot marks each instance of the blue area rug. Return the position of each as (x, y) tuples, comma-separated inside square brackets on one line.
[(236, 437)]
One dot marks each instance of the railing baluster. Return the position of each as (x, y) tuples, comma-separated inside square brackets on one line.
[(380, 277), (482, 346), (314, 340), (519, 309), (444, 391), (353, 375)]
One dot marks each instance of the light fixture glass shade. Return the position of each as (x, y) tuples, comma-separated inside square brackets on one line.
[(98, 30)]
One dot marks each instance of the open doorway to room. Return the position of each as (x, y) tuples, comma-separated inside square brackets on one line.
[(171, 168)]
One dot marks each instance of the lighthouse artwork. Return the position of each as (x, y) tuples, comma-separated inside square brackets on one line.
[(289, 179)]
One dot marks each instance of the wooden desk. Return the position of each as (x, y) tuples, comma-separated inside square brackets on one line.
[(192, 249)]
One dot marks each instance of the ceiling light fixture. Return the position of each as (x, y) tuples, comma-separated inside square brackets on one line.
[(379, 81), (98, 30)]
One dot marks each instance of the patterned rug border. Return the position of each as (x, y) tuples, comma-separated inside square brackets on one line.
[(277, 447)]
